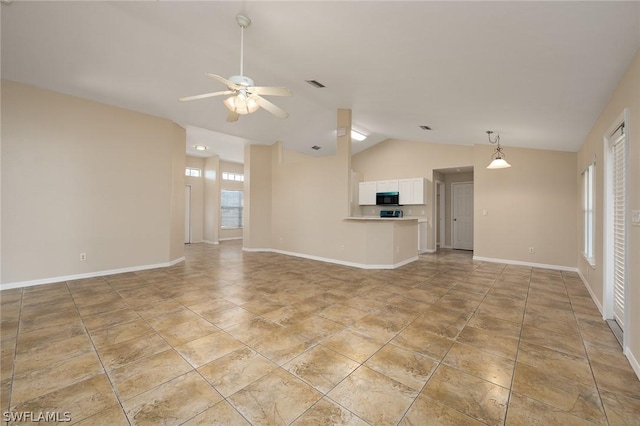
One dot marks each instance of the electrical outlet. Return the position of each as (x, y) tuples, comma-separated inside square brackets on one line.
[(83, 257), (532, 250)]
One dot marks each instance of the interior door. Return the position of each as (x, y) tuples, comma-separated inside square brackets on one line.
[(462, 208)]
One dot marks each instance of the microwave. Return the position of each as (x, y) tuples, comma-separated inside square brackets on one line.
[(387, 198)]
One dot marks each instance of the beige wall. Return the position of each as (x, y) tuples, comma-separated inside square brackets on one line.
[(396, 159), (83, 177), (212, 199), (310, 201), (197, 199), (308, 204), (626, 96), (258, 197), (530, 204)]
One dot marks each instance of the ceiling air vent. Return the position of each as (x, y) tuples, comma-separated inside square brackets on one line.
[(425, 127), (316, 147), (315, 84)]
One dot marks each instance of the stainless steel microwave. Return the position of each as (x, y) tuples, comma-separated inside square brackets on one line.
[(387, 198)]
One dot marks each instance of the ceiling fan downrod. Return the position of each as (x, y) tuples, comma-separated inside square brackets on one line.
[(244, 22)]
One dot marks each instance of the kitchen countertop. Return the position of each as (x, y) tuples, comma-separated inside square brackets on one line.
[(394, 219)]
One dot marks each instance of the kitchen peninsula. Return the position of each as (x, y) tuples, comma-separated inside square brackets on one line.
[(385, 242)]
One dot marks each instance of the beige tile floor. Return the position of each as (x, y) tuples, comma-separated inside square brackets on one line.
[(236, 338)]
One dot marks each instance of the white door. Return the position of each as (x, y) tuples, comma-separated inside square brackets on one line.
[(462, 208), (187, 214), (617, 222)]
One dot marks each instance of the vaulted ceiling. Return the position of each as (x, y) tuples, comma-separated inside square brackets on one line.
[(539, 73)]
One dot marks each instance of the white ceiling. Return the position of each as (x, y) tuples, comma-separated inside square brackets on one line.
[(539, 73)]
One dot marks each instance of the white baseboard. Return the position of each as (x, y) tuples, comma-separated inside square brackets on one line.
[(52, 280), (230, 239), (255, 250), (520, 263), (430, 251), (336, 261), (635, 365), (210, 242), (593, 296), (633, 361)]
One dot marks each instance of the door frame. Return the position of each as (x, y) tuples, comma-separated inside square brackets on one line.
[(440, 213), (607, 243)]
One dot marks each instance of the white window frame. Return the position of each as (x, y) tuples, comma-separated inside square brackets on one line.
[(240, 209), (588, 214), (238, 177), (192, 172)]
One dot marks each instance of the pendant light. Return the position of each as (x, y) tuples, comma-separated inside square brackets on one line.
[(497, 158)]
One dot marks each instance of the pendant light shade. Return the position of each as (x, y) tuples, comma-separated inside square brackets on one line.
[(497, 158), (499, 163)]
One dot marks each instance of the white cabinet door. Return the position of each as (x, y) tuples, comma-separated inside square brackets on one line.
[(387, 186), (367, 193), (405, 187), (417, 189), (411, 191)]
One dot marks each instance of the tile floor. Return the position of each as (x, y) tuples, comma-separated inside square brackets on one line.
[(259, 338)]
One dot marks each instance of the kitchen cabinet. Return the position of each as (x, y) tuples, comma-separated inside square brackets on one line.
[(367, 193), (412, 191), (387, 186)]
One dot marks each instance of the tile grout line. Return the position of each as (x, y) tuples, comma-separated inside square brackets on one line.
[(95, 349), (595, 382), (515, 361), (15, 350)]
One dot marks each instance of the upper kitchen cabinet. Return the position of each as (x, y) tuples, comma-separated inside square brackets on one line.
[(387, 186), (412, 191), (367, 193)]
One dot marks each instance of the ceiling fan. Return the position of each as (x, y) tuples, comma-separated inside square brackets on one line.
[(245, 96)]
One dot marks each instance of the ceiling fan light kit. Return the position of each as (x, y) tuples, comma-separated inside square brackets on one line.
[(245, 98)]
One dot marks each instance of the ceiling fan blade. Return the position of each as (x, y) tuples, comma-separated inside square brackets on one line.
[(270, 91), (232, 116), (229, 84), (272, 108), (206, 95)]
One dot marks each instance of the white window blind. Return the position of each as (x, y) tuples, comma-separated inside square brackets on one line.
[(231, 208), (618, 151)]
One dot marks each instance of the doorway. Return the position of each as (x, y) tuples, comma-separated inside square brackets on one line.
[(462, 215)]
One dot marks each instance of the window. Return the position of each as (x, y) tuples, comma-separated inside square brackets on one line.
[(233, 176), (231, 209), (588, 213), (189, 171)]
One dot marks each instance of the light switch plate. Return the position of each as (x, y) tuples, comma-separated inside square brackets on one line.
[(635, 217)]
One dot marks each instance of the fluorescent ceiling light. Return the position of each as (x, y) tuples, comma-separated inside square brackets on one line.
[(200, 147), (357, 136)]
